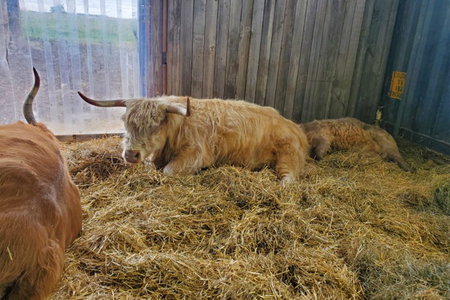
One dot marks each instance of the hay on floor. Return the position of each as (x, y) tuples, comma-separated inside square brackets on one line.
[(356, 227)]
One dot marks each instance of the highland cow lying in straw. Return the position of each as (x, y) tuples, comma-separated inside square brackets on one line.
[(218, 132), (350, 133), (40, 208)]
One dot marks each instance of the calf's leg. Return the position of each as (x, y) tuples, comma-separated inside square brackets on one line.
[(319, 147)]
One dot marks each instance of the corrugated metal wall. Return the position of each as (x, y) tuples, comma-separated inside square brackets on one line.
[(421, 49)]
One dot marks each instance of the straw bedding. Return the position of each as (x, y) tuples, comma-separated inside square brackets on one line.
[(355, 227)]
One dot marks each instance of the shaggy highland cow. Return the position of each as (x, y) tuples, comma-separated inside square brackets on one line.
[(40, 208), (183, 135), (347, 133)]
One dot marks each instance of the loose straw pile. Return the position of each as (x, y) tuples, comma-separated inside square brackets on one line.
[(356, 227)]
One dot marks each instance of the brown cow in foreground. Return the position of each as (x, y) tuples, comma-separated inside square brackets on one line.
[(40, 208), (348, 133), (218, 132)]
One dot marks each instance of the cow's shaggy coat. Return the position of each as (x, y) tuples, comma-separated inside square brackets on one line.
[(217, 132), (348, 133), (40, 209)]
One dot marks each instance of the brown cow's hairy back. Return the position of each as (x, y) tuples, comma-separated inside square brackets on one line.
[(40, 211), (348, 133)]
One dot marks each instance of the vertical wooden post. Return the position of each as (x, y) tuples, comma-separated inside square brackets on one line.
[(156, 29), (150, 41), (164, 48), (142, 44)]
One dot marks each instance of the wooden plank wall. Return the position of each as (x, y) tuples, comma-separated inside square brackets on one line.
[(310, 59)]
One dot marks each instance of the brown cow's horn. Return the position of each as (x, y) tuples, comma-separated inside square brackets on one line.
[(103, 103), (28, 104)]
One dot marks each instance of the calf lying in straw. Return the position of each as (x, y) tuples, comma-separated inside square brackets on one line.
[(348, 133), (217, 132)]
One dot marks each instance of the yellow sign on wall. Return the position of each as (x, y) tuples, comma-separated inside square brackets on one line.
[(397, 85)]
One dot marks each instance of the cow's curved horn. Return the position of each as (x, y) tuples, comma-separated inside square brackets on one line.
[(28, 104), (103, 103), (175, 109)]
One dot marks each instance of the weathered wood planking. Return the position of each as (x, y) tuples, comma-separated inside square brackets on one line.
[(187, 12), (148, 49), (264, 55), (173, 50), (307, 58), (244, 44), (232, 65), (285, 53), (294, 60), (198, 47), (157, 20), (210, 48), (254, 50), (333, 36), (360, 58), (221, 48), (277, 35), (302, 76), (310, 100), (164, 47), (348, 48)]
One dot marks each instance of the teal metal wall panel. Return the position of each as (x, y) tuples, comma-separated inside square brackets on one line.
[(421, 49)]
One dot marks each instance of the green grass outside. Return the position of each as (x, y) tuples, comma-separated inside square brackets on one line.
[(57, 26)]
